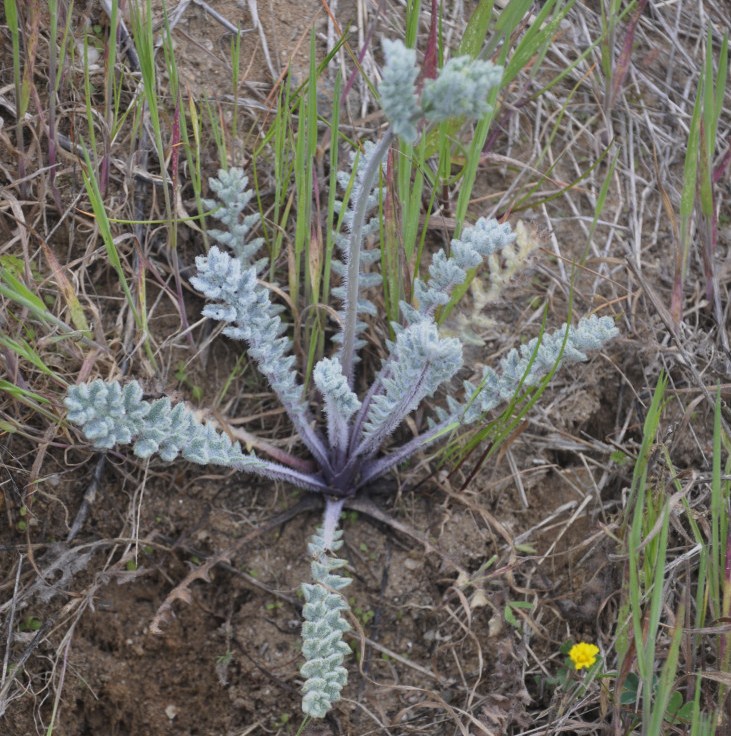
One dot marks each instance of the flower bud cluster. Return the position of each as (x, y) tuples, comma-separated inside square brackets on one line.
[(460, 90)]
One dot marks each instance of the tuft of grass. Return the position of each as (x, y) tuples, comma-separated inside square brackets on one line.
[(21, 86), (142, 32), (306, 257), (101, 218), (698, 192), (647, 548), (652, 619), (527, 52)]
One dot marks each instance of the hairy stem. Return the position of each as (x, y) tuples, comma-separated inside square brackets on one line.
[(351, 305), (274, 452), (274, 471), (370, 445), (312, 440), (330, 519), (357, 426)]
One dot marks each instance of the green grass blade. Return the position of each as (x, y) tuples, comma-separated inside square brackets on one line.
[(538, 35), (142, 32), (13, 288), (687, 204), (105, 231), (23, 349), (476, 29), (666, 683), (34, 401), (413, 13)]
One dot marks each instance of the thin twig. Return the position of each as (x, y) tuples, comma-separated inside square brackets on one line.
[(125, 38), (9, 625), (89, 497), (227, 24)]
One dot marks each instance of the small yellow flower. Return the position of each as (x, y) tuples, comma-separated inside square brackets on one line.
[(583, 654)]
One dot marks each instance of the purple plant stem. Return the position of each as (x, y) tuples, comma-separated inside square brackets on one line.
[(720, 170), (310, 437), (275, 453), (280, 472), (429, 65), (361, 54), (625, 56), (380, 466), (371, 445), (343, 480)]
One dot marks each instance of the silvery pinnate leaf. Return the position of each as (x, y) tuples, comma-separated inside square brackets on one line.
[(419, 363), (232, 198), (477, 242), (245, 306), (534, 360), (110, 414), (322, 632), (339, 398)]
